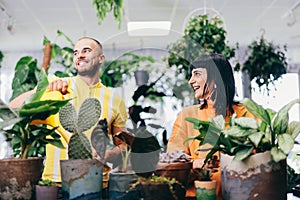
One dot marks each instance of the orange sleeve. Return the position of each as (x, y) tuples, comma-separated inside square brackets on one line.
[(179, 134)]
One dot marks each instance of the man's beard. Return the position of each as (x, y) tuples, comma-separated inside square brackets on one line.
[(89, 72)]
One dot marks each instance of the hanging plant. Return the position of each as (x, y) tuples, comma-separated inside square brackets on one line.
[(202, 35), (105, 6), (265, 63)]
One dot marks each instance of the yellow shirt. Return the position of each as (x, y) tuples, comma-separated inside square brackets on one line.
[(112, 108), (183, 129)]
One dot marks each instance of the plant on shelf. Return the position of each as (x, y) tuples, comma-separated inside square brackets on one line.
[(265, 63)]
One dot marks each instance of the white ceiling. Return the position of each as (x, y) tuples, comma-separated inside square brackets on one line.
[(244, 21)]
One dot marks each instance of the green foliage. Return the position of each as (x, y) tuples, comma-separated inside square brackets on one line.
[(247, 136), (265, 62), (25, 77), (46, 182), (26, 138), (115, 73), (105, 6), (202, 35)]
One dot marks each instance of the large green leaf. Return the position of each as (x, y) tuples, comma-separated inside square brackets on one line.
[(277, 154), (247, 122), (281, 120), (294, 129), (256, 110), (256, 137), (285, 143), (41, 109), (243, 154)]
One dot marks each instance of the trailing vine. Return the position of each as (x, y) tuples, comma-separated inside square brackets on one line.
[(105, 6)]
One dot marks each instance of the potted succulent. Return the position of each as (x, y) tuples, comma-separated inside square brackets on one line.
[(253, 149), (46, 189), (205, 186), (27, 138)]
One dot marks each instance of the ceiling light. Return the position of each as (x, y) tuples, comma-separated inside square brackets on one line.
[(148, 28)]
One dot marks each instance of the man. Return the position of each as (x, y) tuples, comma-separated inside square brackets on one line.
[(88, 58)]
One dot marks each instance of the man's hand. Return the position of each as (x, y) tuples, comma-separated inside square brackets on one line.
[(59, 85)]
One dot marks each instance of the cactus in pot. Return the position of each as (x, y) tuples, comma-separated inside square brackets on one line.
[(81, 169)]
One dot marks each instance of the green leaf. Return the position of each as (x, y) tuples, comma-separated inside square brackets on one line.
[(42, 80), (285, 143), (281, 120), (218, 122), (246, 122), (277, 154), (242, 154), (293, 129), (256, 137), (41, 109), (257, 110), (236, 131)]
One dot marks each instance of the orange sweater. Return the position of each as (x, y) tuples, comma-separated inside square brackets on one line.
[(183, 129)]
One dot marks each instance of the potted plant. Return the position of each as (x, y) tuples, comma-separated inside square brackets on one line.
[(159, 187), (46, 189), (27, 139), (253, 150), (205, 186), (81, 169), (265, 63)]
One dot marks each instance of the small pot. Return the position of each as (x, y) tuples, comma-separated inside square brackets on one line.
[(46, 192), (206, 190)]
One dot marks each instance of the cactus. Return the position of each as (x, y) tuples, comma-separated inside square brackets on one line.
[(88, 116)]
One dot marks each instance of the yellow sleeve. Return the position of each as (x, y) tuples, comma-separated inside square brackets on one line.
[(120, 111)]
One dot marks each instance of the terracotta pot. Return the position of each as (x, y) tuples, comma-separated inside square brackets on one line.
[(19, 176), (206, 190), (178, 170), (46, 192), (256, 178), (81, 178)]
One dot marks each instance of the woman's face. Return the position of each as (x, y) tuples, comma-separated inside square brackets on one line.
[(198, 82)]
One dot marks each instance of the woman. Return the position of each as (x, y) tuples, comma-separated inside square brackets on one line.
[(214, 86)]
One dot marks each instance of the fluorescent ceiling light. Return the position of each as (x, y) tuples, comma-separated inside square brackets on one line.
[(148, 28)]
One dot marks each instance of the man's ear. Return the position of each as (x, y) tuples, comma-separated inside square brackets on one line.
[(101, 59)]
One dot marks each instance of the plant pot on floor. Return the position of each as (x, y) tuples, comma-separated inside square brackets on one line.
[(19, 176), (119, 186), (206, 190), (257, 177), (46, 192), (81, 179)]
